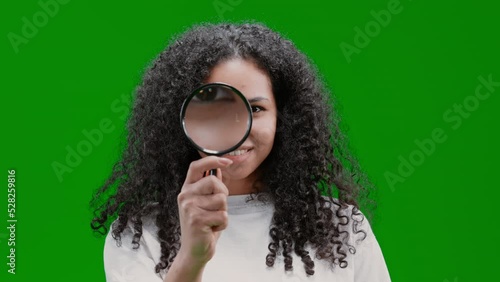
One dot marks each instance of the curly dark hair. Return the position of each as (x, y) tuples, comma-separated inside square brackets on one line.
[(313, 181)]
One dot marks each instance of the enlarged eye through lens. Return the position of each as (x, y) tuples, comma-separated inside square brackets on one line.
[(213, 94), (207, 94)]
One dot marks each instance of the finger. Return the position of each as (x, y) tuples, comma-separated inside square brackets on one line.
[(217, 220), (219, 174), (198, 167), (209, 185), (213, 202)]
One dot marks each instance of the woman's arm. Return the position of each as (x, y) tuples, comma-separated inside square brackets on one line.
[(184, 270), (203, 215)]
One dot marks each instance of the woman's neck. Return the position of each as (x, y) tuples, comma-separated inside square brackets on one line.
[(242, 186)]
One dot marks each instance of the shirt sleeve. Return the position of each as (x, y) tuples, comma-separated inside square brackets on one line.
[(369, 263), (125, 264)]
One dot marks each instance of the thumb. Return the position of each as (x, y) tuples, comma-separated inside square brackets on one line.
[(219, 174)]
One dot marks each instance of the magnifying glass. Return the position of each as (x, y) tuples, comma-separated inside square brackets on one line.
[(216, 119)]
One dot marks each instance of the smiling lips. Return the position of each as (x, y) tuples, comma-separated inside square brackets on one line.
[(238, 154)]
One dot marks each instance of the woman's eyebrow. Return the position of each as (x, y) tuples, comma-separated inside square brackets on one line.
[(257, 99)]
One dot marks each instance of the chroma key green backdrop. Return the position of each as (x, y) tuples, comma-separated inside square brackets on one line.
[(418, 81)]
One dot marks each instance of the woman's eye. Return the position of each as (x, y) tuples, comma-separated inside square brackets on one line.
[(256, 109)]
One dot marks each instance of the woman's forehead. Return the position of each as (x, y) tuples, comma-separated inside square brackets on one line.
[(245, 76)]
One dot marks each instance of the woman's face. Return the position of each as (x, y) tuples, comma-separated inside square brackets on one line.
[(255, 85)]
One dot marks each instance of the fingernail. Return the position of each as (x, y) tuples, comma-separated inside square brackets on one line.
[(225, 161)]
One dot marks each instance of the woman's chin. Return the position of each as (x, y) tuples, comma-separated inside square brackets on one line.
[(229, 174)]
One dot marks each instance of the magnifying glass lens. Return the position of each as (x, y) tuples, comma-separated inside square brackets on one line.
[(217, 118)]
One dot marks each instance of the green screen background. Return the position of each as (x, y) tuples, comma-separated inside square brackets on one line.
[(438, 224)]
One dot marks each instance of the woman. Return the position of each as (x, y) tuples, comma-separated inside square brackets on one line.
[(283, 206)]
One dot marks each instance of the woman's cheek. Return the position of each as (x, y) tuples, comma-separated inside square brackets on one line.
[(264, 130)]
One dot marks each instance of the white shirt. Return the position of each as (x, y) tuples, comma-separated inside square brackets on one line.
[(241, 252)]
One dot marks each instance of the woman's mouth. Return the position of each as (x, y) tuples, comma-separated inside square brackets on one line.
[(238, 155), (237, 152)]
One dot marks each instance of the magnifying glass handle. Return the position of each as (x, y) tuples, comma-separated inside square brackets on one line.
[(210, 172)]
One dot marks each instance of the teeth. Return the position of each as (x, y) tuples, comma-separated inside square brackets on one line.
[(238, 152)]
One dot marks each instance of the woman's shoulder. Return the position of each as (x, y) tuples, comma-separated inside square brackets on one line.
[(147, 225), (368, 260), (125, 260), (351, 219)]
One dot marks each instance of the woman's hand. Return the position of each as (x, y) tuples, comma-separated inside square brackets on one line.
[(202, 210)]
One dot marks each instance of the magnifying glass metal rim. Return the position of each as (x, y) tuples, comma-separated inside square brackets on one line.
[(183, 115)]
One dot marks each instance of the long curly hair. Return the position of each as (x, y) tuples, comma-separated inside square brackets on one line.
[(313, 181)]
